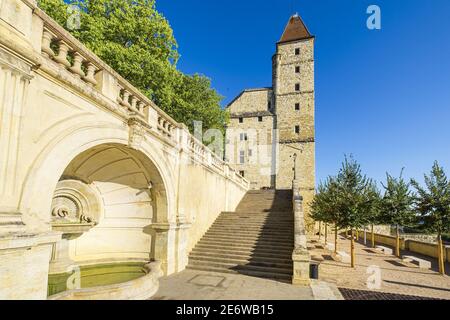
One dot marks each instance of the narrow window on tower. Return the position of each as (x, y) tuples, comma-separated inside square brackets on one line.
[(297, 106), (297, 51), (241, 120), (269, 105), (242, 157), (297, 87), (260, 119), (250, 152), (297, 129), (297, 69)]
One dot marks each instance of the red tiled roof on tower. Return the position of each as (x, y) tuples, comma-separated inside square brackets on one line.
[(295, 30)]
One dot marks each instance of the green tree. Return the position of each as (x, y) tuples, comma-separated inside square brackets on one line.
[(433, 203), (374, 212), (356, 199), (138, 42), (396, 205), (324, 207)]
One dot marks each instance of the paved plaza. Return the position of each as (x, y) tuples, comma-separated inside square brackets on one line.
[(203, 285), (397, 277)]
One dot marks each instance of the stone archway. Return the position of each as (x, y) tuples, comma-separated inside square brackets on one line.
[(120, 191)]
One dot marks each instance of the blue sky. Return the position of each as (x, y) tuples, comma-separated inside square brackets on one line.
[(383, 96)]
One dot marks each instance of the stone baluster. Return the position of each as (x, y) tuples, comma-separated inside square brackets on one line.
[(61, 58), (141, 107), (47, 38), (78, 61), (134, 101), (126, 98), (90, 72)]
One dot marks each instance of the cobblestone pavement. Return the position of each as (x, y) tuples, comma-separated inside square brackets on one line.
[(397, 277), (203, 285), (352, 294)]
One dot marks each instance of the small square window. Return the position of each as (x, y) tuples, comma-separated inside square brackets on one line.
[(297, 106), (297, 51), (297, 69), (297, 129), (242, 173), (297, 87), (260, 119), (241, 120)]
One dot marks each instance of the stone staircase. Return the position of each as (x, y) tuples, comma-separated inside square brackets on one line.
[(256, 240)]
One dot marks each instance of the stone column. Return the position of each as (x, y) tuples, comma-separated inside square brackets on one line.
[(300, 257)]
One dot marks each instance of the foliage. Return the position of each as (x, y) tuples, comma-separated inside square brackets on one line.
[(433, 202), (350, 199), (138, 42), (396, 205), (357, 196), (324, 204)]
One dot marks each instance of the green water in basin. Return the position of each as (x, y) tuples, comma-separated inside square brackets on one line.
[(96, 276)]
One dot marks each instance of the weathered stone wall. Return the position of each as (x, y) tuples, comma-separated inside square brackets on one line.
[(251, 100), (258, 167)]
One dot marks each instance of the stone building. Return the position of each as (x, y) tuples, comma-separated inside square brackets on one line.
[(271, 129)]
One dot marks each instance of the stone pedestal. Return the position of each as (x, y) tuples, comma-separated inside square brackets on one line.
[(61, 261), (24, 264), (301, 259)]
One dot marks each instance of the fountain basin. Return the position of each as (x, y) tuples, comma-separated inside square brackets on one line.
[(115, 281)]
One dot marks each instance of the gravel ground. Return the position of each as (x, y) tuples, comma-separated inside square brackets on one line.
[(396, 276)]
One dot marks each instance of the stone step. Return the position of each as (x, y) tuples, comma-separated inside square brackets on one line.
[(242, 239), (251, 235), (253, 273), (246, 262), (231, 239), (254, 227), (236, 266), (224, 249), (249, 230), (249, 246), (231, 256)]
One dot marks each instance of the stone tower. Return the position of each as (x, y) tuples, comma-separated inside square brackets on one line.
[(284, 113), (293, 87)]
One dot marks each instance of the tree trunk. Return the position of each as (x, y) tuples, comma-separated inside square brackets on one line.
[(353, 249), (326, 233), (335, 239), (320, 229), (373, 238), (397, 242), (357, 235), (441, 255)]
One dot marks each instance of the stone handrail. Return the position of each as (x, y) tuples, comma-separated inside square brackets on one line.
[(65, 57)]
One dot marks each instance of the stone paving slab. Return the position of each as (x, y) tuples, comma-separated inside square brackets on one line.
[(203, 285)]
